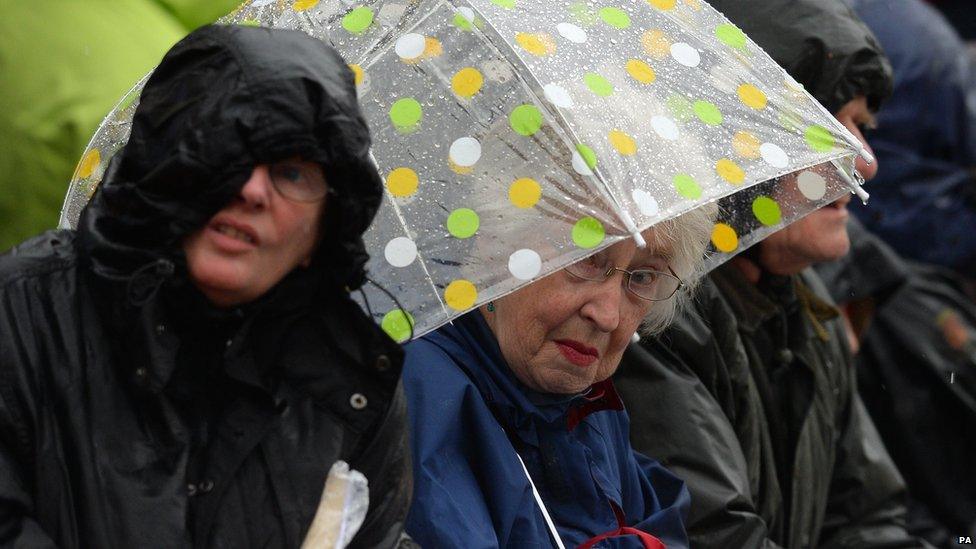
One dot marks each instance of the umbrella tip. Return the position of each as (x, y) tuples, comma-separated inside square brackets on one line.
[(634, 231), (639, 239), (861, 193), (867, 156)]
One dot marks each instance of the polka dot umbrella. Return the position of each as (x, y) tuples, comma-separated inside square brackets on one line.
[(519, 136)]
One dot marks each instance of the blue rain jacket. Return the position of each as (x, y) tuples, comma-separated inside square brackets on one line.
[(470, 490), (923, 200)]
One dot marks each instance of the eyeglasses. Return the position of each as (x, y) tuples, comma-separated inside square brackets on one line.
[(646, 284), (299, 181)]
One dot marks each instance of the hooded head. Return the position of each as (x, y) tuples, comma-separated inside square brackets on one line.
[(223, 101), (823, 45)]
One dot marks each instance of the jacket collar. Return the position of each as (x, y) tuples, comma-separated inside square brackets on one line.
[(754, 304)]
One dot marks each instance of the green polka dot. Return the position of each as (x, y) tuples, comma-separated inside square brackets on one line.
[(396, 324), (598, 84), (358, 20), (463, 223), (680, 107), (582, 12), (766, 211), (462, 22), (507, 4), (731, 36), (708, 113), (588, 232), (406, 113), (588, 155), (525, 119), (251, 22), (615, 17), (819, 138), (687, 186)]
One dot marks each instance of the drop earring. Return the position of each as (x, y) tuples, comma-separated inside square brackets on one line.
[(491, 306)]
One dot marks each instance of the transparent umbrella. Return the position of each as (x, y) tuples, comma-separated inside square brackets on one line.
[(519, 136)]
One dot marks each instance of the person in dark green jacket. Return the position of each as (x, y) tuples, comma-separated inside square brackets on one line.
[(751, 395)]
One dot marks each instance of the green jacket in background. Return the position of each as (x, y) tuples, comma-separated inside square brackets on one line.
[(64, 65)]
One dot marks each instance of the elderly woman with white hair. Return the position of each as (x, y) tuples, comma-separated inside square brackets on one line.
[(519, 437)]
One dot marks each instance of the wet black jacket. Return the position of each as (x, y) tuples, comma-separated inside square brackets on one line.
[(821, 43), (133, 413), (751, 398), (917, 375)]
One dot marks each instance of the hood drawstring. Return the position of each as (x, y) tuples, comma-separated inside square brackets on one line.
[(146, 281)]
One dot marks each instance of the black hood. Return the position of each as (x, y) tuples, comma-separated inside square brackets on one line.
[(821, 43), (223, 100)]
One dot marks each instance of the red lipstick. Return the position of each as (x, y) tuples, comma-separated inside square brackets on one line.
[(578, 353)]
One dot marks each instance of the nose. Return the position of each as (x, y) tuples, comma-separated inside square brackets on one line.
[(603, 302), (256, 192), (867, 171)]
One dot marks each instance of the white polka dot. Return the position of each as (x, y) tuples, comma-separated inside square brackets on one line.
[(410, 46), (774, 155), (524, 264), (571, 32), (685, 54), (646, 202), (467, 13), (812, 185), (261, 3), (400, 251), (580, 165), (664, 127), (558, 96), (465, 152)]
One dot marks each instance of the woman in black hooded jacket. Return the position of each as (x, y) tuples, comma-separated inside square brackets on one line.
[(185, 368)]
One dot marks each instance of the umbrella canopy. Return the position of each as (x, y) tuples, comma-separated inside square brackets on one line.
[(519, 136)]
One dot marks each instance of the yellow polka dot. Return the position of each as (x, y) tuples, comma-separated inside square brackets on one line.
[(467, 82), (640, 71), (402, 182), (724, 238), (752, 96), (693, 4), (662, 4), (656, 44), (432, 47), (302, 5), (524, 192), (88, 163), (357, 73), (730, 171), (540, 44), (460, 295), (624, 143), (746, 144)]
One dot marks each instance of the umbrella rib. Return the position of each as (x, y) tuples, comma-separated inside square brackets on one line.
[(420, 258)]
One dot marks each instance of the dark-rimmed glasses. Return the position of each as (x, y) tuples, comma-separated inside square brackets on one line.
[(298, 181), (649, 285)]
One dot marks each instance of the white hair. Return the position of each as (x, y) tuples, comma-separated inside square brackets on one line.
[(686, 237)]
